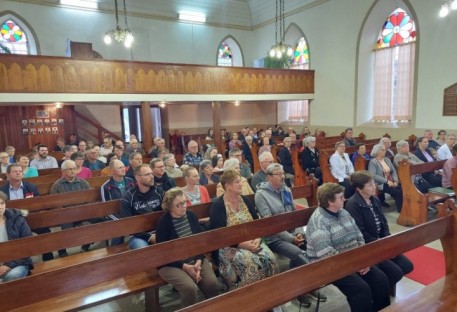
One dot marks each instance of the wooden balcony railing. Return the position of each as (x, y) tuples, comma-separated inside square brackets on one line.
[(44, 74)]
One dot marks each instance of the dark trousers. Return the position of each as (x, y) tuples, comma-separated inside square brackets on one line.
[(396, 268), (348, 189), (433, 179), (365, 293), (396, 193)]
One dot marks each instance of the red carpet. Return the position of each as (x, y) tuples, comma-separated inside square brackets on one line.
[(429, 265)]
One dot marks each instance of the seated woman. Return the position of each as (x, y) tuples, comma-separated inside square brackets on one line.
[(341, 168), (425, 154), (246, 148), (24, 161), (266, 147), (366, 210), (361, 150), (206, 173), (234, 142), (81, 171), (385, 175), (441, 139), (187, 275), (211, 151), (309, 158), (234, 164), (248, 261), (218, 163), (331, 230), (14, 226), (194, 193)]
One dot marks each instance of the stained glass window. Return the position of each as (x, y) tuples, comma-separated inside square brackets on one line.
[(13, 39), (399, 28), (301, 54), (224, 55)]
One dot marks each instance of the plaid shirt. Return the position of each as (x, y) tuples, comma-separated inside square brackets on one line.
[(190, 159)]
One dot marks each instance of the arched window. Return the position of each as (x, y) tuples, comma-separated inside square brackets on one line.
[(229, 53), (296, 112), (15, 36), (224, 56), (394, 69)]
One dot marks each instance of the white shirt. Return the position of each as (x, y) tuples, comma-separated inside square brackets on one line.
[(444, 152), (47, 163), (338, 166)]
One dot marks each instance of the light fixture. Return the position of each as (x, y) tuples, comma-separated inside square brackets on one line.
[(280, 49), (120, 34), (446, 6), (192, 17), (162, 104), (237, 103), (58, 105), (80, 4)]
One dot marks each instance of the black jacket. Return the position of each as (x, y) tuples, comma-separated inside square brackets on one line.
[(110, 191), (421, 156), (361, 212), (285, 159), (218, 214), (17, 227), (309, 160)]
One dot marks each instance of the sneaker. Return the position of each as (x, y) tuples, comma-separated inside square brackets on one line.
[(63, 254), (304, 301), (317, 294), (384, 204)]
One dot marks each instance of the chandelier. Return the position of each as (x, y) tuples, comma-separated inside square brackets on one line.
[(120, 34), (447, 6), (280, 50)]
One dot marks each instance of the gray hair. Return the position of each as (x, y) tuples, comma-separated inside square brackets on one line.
[(265, 155), (401, 143), (272, 168), (168, 157), (309, 139), (231, 163), (67, 163), (205, 164), (248, 138), (450, 136), (376, 149), (381, 141)]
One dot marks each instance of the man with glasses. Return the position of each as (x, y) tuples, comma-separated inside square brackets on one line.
[(192, 157), (69, 182), (144, 198), (245, 170), (273, 198), (161, 179), (107, 146), (43, 161), (265, 159), (91, 161)]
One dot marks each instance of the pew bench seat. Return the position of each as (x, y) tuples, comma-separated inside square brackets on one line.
[(438, 296)]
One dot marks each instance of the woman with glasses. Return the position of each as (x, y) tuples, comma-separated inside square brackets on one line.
[(81, 171), (248, 261), (186, 275), (341, 168), (385, 175), (234, 164)]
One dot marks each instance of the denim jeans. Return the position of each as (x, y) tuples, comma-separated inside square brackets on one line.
[(15, 273), (136, 243), (296, 255)]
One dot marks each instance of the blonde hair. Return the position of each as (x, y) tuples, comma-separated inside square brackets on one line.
[(170, 196)]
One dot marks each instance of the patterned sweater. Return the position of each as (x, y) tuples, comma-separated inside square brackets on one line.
[(328, 234)]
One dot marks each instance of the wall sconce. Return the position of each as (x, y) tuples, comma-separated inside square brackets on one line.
[(58, 105), (237, 103), (162, 104)]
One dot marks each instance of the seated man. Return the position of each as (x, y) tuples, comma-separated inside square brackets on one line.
[(119, 152), (91, 161), (43, 161), (192, 157), (107, 146), (265, 159), (158, 144), (161, 179), (285, 158), (273, 198), (348, 139), (135, 160), (444, 152), (431, 142), (15, 187), (145, 197)]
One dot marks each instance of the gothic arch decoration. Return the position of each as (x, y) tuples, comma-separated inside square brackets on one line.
[(15, 29), (295, 37), (229, 48)]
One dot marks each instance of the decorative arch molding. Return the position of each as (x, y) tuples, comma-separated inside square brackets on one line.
[(237, 52), (34, 46), (293, 34), (366, 41)]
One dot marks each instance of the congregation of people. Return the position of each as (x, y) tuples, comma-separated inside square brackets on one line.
[(351, 205)]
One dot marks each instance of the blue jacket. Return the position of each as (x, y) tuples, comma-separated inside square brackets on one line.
[(17, 227), (29, 189), (110, 191)]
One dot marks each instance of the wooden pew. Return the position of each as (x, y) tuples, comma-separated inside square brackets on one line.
[(281, 288), (42, 172), (105, 281), (324, 161), (55, 200), (104, 286), (415, 204), (95, 182), (255, 157)]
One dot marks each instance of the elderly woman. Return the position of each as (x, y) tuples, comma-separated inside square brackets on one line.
[(234, 164), (266, 147), (81, 171), (248, 261), (385, 175), (186, 275), (210, 153), (13, 226), (331, 230), (24, 161), (194, 193), (309, 158), (171, 169), (366, 210), (4, 161), (206, 173), (341, 168)]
